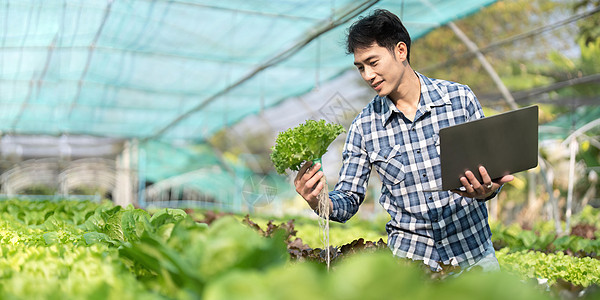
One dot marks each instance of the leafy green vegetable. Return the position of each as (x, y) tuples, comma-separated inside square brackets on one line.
[(365, 276), (552, 266), (133, 223), (193, 254), (516, 238), (167, 215), (304, 142), (66, 250)]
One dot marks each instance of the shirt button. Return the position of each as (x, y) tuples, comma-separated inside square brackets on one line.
[(418, 151), (424, 175), (435, 220), (439, 243)]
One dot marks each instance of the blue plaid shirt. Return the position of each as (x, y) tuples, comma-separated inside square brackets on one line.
[(436, 227)]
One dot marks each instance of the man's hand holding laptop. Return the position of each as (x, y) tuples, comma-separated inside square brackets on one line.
[(472, 188)]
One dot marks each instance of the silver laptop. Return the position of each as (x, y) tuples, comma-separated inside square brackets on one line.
[(504, 144)]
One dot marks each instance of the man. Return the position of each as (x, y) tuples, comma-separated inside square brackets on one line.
[(397, 133)]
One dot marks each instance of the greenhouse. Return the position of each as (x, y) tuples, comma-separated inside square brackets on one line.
[(138, 149)]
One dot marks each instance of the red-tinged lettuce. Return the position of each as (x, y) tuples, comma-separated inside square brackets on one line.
[(304, 142)]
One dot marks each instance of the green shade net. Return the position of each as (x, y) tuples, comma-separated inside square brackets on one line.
[(163, 160), (175, 70), (565, 125), (170, 71), (225, 180)]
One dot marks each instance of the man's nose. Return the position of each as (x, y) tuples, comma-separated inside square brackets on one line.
[(368, 74)]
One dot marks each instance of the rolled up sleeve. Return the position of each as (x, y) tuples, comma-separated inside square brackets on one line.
[(350, 190)]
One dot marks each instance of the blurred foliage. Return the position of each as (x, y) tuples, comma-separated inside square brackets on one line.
[(564, 68), (514, 238), (523, 64), (589, 154), (39, 189), (499, 21), (366, 276), (339, 234), (553, 266), (589, 30), (588, 215), (549, 112), (84, 250), (89, 190)]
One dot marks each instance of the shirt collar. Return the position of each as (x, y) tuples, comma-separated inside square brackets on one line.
[(432, 95), (388, 108)]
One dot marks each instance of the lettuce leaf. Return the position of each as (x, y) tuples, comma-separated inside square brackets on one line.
[(304, 142)]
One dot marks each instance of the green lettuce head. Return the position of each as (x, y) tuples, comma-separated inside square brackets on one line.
[(304, 142)]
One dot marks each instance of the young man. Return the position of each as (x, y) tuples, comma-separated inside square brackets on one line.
[(397, 134)]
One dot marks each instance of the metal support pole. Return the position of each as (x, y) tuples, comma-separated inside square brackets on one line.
[(573, 150), (141, 177), (486, 65), (123, 193), (500, 85)]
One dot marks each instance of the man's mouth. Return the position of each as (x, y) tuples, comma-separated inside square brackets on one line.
[(377, 86)]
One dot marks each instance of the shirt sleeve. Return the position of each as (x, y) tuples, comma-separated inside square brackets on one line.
[(350, 190), (472, 105)]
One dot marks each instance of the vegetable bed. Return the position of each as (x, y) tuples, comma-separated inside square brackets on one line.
[(84, 250)]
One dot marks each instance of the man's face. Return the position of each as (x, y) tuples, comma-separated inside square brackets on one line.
[(382, 70)]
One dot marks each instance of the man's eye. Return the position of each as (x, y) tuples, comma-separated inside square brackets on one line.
[(373, 63)]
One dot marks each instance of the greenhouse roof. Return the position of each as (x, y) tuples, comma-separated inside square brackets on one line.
[(175, 69)]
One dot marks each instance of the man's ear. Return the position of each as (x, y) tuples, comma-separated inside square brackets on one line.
[(401, 51)]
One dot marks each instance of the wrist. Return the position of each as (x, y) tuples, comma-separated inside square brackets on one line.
[(490, 196)]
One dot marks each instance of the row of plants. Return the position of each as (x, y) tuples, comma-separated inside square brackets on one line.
[(551, 267), (583, 240), (84, 250), (67, 271), (46, 252), (516, 260), (564, 273)]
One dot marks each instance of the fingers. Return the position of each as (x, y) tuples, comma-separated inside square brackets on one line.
[(476, 189), (303, 170), (505, 179), (488, 184), (317, 189), (468, 188), (311, 182), (306, 172), (308, 183), (471, 184), (311, 191)]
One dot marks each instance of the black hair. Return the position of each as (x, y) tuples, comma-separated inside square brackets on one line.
[(380, 26)]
